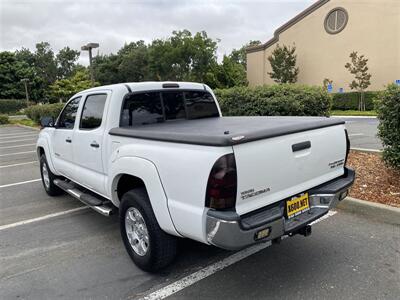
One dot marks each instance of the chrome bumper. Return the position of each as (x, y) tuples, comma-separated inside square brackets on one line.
[(228, 230)]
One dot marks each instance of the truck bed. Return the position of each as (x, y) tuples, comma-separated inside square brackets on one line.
[(224, 131)]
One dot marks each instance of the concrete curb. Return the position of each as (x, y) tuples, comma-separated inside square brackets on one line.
[(377, 211), (28, 127)]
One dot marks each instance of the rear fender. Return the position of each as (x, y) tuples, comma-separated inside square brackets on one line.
[(147, 172)]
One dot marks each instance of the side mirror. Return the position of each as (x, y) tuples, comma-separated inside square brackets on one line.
[(47, 122)]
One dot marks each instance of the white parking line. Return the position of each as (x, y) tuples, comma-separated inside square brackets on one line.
[(356, 134), (215, 267), (355, 117), (20, 136), (16, 153), (19, 183), (57, 214), (16, 146), (16, 134), (20, 164), (15, 141)]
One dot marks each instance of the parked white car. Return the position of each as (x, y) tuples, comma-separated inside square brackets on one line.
[(162, 155)]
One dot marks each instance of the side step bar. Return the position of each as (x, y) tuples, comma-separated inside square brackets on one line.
[(103, 207)]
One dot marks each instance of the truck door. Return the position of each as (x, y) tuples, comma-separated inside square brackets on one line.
[(63, 138), (87, 151)]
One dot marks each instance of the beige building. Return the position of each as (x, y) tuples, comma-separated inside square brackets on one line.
[(326, 33)]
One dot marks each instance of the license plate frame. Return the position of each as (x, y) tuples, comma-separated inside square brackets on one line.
[(297, 205)]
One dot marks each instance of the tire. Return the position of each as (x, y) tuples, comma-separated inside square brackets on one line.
[(47, 179), (161, 247)]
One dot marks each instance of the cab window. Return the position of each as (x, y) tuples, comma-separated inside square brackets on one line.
[(68, 115), (92, 112)]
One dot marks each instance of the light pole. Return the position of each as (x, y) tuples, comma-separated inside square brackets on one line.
[(89, 48), (25, 81)]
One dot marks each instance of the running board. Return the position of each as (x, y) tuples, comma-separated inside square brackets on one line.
[(101, 206)]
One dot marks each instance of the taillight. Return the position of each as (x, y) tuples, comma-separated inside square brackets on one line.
[(222, 183), (347, 146)]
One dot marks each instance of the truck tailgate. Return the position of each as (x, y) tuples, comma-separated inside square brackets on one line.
[(273, 169)]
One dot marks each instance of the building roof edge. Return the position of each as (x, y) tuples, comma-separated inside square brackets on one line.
[(287, 25)]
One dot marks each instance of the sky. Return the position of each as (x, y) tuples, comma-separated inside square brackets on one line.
[(111, 23)]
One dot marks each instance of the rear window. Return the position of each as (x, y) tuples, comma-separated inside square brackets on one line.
[(156, 107), (174, 105), (200, 105), (141, 109)]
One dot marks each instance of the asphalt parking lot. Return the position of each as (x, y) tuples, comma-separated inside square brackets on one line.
[(362, 132), (55, 248)]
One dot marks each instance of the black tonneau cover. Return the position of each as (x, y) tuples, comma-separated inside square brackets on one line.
[(224, 131)]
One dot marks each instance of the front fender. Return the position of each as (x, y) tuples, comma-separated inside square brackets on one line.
[(43, 142), (147, 171)]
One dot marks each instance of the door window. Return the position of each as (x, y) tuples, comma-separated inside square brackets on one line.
[(68, 115), (92, 113)]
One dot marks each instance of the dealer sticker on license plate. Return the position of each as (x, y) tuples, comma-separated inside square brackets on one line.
[(297, 205)]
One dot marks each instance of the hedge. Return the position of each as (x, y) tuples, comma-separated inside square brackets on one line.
[(9, 106), (3, 119), (388, 109), (274, 100), (349, 101), (36, 112)]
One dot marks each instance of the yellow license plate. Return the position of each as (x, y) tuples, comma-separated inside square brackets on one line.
[(297, 205)]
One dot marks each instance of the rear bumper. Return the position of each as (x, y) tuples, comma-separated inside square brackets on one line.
[(228, 230)]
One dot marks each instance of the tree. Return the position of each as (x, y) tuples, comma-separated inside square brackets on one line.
[(358, 67), (134, 62), (183, 56), (27, 59), (12, 71), (45, 63), (239, 56), (229, 74), (106, 69), (63, 89), (66, 62), (25, 55), (283, 64)]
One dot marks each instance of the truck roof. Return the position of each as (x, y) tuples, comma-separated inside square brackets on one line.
[(149, 85)]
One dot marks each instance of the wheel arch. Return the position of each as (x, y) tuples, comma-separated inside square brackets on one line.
[(123, 183), (42, 147), (127, 173)]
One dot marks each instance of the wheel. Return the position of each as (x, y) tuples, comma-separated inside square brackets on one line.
[(147, 244), (48, 177)]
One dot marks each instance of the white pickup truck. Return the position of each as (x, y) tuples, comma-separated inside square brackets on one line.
[(161, 154)]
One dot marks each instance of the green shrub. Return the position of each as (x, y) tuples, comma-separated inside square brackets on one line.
[(388, 108), (36, 112), (274, 100), (349, 101), (9, 106), (3, 119)]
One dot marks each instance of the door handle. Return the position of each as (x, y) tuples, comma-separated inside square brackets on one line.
[(301, 146), (94, 144), (68, 140)]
